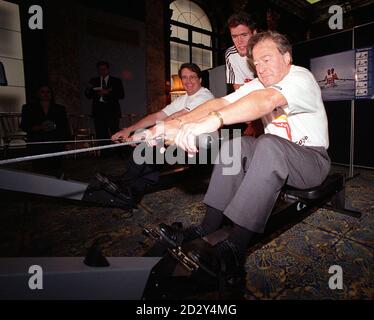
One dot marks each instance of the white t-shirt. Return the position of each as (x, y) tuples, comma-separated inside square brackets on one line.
[(188, 102), (237, 68), (304, 119)]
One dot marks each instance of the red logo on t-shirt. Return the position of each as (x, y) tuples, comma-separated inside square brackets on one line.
[(247, 80), (286, 126)]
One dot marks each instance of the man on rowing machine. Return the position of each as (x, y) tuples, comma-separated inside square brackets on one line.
[(293, 151)]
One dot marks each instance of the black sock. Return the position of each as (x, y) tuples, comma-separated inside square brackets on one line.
[(241, 236), (212, 220)]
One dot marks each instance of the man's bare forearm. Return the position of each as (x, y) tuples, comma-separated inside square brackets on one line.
[(176, 115), (253, 106), (148, 121), (203, 110)]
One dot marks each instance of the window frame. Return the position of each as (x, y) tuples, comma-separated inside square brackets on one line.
[(191, 44)]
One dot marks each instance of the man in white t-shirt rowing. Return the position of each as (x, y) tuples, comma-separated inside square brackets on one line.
[(191, 77), (238, 72), (293, 150), (137, 177)]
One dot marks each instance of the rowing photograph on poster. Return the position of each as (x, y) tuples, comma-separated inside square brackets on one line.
[(335, 74)]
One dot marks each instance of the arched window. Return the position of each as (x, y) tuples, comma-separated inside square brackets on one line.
[(191, 36)]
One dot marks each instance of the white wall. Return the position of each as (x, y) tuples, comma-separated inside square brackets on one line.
[(13, 96)]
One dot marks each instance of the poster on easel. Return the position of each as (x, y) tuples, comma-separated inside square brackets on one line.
[(335, 74), (364, 73), (346, 75)]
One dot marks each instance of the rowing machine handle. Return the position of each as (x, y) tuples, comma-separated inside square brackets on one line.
[(206, 140)]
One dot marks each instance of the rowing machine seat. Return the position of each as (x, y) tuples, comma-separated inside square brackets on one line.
[(333, 184)]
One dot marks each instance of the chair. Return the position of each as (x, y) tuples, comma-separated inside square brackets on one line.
[(2, 147), (81, 129), (13, 138)]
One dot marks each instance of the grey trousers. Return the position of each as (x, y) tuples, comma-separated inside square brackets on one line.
[(268, 163)]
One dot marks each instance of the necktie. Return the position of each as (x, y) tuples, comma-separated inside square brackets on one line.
[(103, 86)]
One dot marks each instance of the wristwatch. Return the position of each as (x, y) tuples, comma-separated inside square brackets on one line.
[(219, 116)]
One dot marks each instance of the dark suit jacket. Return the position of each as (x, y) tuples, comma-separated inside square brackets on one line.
[(111, 106), (33, 115)]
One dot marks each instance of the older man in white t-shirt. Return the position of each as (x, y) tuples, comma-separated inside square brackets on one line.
[(293, 150)]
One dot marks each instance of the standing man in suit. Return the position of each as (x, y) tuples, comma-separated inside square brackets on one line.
[(105, 91)]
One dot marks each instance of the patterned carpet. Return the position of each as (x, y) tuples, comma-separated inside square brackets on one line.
[(291, 265)]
